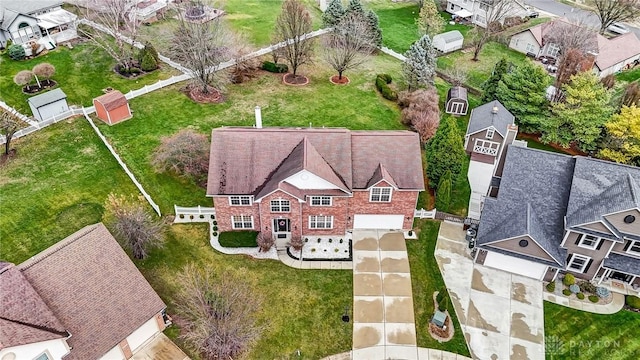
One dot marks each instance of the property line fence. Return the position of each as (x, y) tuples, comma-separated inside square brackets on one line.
[(194, 214), (425, 214), (123, 165), (388, 51), (156, 86), (18, 114), (37, 125)]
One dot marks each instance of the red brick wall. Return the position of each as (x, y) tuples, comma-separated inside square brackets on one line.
[(402, 202), (224, 211), (338, 209), (267, 216)]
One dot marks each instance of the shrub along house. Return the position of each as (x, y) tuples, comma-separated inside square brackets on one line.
[(556, 213), (305, 182), (82, 298)]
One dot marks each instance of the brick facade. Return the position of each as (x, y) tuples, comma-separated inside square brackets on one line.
[(224, 212), (402, 202)]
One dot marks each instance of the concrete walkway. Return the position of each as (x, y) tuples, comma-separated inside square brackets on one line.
[(611, 308), (501, 314), (423, 354), (383, 320)]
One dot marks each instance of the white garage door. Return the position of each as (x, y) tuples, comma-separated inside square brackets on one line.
[(515, 265), (378, 221)]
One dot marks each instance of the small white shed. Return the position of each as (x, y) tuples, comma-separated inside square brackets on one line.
[(449, 41), (49, 104)]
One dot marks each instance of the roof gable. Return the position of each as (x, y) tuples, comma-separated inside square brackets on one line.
[(490, 114), (381, 174), (47, 98), (532, 248), (95, 290), (112, 100)]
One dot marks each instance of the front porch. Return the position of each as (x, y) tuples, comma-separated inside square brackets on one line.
[(618, 281)]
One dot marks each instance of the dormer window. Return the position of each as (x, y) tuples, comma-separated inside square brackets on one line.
[(380, 194), (589, 242), (490, 132)]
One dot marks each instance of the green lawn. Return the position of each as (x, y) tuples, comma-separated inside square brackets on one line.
[(81, 72), (164, 112), (238, 238), (629, 75), (479, 71), (397, 21), (573, 334), (425, 279), (464, 29)]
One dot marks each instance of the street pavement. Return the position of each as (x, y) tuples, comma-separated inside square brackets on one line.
[(574, 13)]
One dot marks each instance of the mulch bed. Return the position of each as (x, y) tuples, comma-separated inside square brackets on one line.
[(34, 89), (4, 158), (196, 94), (297, 80), (335, 79)]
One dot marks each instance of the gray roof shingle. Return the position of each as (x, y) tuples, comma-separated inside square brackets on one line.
[(47, 98), (533, 196), (482, 117), (449, 36), (623, 263)]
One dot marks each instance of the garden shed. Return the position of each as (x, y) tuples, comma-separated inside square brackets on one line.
[(112, 107), (49, 104), (449, 41), (457, 103)]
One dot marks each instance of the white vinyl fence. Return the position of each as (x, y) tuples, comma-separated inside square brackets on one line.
[(425, 214), (194, 214)]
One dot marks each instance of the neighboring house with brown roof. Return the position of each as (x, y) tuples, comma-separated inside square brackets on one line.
[(571, 214), (82, 298), (112, 107), (309, 181), (611, 55)]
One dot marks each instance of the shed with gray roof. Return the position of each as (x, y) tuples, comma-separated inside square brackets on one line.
[(449, 41), (49, 104)]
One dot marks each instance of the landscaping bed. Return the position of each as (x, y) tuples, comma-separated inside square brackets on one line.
[(238, 238)]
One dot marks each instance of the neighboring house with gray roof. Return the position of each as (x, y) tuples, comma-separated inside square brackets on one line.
[(557, 213), (294, 182), (82, 298), (490, 129), (48, 104), (36, 21)]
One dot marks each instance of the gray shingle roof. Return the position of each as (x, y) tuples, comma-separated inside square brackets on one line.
[(482, 117), (449, 36), (601, 187), (47, 98), (532, 200), (623, 263), (11, 9)]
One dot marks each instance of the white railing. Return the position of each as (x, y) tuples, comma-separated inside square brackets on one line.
[(425, 214), (194, 214), (155, 86), (392, 53), (37, 125), (19, 115), (485, 150)]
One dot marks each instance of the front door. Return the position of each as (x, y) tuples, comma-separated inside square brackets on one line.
[(621, 276), (281, 232)]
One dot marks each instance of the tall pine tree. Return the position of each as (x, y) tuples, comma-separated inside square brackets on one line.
[(419, 68), (334, 12), (374, 27), (445, 152), (443, 194), (355, 6), (490, 87)]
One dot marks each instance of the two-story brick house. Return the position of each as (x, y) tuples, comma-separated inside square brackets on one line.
[(557, 213), (308, 181)]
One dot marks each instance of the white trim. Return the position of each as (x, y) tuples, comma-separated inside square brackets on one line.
[(532, 239), (243, 221), (320, 198), (613, 243), (480, 145), (380, 195), (281, 203), (566, 235), (316, 221), (240, 198), (491, 131), (596, 241), (381, 180), (633, 243), (573, 257)]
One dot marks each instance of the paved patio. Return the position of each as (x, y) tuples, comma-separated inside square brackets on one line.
[(501, 314), (160, 348)]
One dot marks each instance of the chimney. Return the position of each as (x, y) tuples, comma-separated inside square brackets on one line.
[(494, 110), (258, 117)]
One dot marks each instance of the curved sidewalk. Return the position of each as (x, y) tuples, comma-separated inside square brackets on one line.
[(611, 308), (423, 354)]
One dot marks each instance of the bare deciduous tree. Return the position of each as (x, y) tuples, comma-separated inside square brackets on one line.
[(346, 47), (265, 241), (245, 67), (23, 78), (118, 17), (494, 15), (219, 313), (201, 47), (44, 70), (292, 25), (9, 124), (135, 228), (185, 153), (610, 11), (420, 110)]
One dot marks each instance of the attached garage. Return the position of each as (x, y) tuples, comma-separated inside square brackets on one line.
[(515, 265), (378, 221)]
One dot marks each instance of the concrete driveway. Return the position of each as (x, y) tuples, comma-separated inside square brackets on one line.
[(501, 314)]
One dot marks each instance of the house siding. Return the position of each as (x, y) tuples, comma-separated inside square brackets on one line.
[(533, 249), (617, 220), (597, 226), (224, 211), (402, 202), (482, 135), (339, 209), (55, 348), (519, 42), (596, 255)]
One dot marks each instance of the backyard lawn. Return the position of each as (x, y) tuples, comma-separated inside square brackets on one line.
[(81, 72), (397, 21), (573, 334), (425, 279)]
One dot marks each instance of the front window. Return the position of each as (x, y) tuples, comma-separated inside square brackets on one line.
[(530, 47), (239, 200), (320, 222), (634, 248), (490, 133), (588, 241), (480, 19), (280, 206), (578, 263), (242, 222), (553, 50), (321, 201), (380, 194)]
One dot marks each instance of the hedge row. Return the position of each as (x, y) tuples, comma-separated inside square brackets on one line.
[(382, 84), (274, 68)]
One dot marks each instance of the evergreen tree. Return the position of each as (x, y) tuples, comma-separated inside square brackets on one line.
[(419, 68), (374, 28), (355, 6), (334, 12), (443, 194), (148, 47), (523, 93), (429, 21), (445, 152), (581, 116), (148, 62), (490, 87)]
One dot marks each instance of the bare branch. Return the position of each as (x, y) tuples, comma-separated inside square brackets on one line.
[(495, 13), (9, 124), (610, 11), (292, 24), (346, 47)]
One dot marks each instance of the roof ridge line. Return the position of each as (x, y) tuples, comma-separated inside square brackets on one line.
[(58, 246), (38, 327)]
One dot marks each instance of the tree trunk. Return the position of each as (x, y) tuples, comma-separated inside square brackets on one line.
[(37, 81), (476, 52), (339, 75), (7, 145)]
